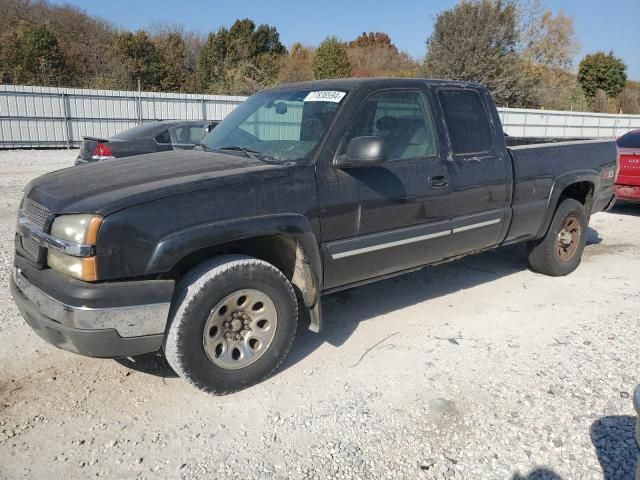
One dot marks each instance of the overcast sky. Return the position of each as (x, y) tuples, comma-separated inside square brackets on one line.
[(600, 24)]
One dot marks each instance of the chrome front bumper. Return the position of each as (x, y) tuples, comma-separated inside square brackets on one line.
[(127, 321)]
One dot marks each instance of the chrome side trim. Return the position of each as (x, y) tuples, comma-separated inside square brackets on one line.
[(476, 225), (128, 321), (396, 243), (418, 238), (31, 230)]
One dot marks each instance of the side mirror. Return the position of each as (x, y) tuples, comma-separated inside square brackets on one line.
[(364, 152)]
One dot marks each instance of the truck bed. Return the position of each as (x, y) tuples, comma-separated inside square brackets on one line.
[(540, 173)]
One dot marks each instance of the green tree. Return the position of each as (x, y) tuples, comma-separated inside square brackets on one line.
[(600, 71), (241, 59), (331, 60), (211, 69), (173, 51), (477, 41), (42, 59), (141, 59)]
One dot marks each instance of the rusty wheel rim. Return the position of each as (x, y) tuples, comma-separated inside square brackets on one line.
[(568, 238)]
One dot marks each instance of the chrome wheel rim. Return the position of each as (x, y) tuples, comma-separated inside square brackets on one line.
[(240, 329)]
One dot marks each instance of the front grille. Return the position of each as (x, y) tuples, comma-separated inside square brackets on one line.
[(35, 213), (31, 247)]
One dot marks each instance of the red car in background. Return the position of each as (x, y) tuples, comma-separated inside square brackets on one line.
[(628, 181)]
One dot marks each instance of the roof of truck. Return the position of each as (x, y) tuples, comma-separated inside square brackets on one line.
[(351, 83)]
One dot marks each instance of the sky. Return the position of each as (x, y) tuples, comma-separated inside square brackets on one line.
[(600, 24)]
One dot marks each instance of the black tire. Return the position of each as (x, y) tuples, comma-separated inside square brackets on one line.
[(546, 255), (202, 290)]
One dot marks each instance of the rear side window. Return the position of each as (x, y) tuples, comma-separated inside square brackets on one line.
[(467, 121), (188, 134), (630, 140), (163, 138)]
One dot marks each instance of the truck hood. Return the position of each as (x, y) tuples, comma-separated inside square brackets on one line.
[(111, 185)]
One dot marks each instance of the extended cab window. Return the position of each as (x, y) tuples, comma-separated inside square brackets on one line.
[(401, 119), (467, 121)]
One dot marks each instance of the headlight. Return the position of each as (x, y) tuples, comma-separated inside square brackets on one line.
[(82, 230)]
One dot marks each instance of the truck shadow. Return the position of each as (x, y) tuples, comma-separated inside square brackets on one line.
[(614, 440), (343, 311), (626, 208), (538, 474)]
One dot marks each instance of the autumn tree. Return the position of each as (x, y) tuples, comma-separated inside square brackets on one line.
[(630, 98), (547, 39), (477, 41), (373, 54), (331, 60), (296, 67), (141, 59), (600, 71)]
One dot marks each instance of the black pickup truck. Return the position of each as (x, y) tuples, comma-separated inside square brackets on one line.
[(214, 255)]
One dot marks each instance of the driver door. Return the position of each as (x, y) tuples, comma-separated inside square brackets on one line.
[(402, 214)]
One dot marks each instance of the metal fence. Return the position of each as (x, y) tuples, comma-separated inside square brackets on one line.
[(34, 117)]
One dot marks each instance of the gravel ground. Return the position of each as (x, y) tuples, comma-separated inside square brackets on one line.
[(474, 369)]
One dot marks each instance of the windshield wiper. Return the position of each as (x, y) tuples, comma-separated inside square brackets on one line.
[(263, 157), (203, 147), (247, 153)]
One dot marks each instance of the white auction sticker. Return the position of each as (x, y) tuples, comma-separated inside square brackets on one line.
[(325, 96)]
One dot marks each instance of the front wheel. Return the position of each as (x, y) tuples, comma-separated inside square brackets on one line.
[(559, 252), (233, 321)]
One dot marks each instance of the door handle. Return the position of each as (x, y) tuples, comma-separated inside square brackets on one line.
[(438, 181)]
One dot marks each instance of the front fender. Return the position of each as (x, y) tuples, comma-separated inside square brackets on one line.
[(175, 246)]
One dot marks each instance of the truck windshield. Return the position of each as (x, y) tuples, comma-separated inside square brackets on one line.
[(283, 126)]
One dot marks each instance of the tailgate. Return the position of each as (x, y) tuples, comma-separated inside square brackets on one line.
[(629, 173)]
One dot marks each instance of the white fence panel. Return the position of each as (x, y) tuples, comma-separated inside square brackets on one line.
[(32, 117), (520, 122)]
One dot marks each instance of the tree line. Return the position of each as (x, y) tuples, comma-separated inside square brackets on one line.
[(519, 49)]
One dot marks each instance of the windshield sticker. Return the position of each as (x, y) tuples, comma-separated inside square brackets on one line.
[(325, 96)]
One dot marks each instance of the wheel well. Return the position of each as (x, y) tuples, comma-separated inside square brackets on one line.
[(580, 191), (281, 251)]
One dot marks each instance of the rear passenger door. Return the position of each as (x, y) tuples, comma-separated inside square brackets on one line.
[(479, 168)]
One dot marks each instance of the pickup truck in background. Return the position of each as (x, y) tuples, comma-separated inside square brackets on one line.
[(628, 180), (213, 255)]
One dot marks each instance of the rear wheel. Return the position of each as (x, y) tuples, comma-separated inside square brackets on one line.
[(233, 321), (559, 252)]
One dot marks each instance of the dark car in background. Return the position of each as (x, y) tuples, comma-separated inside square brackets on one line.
[(628, 181), (146, 138)]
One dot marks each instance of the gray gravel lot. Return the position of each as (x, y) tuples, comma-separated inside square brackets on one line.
[(477, 369)]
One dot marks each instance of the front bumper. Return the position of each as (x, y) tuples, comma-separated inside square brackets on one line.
[(98, 321)]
